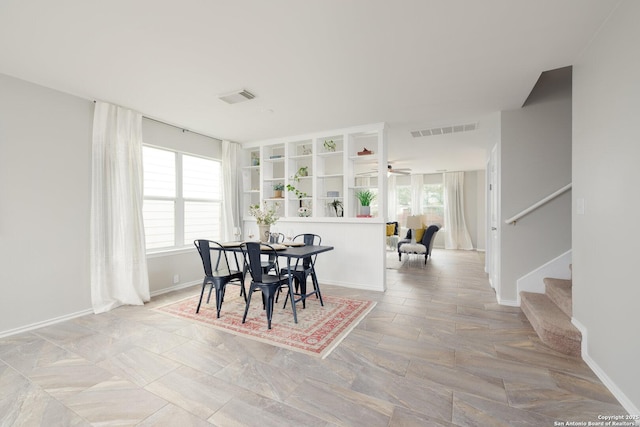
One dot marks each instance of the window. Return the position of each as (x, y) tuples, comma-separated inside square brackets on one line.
[(433, 204), (182, 198), (403, 203)]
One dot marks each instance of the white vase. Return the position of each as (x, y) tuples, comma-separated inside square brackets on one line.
[(365, 210), (263, 232)]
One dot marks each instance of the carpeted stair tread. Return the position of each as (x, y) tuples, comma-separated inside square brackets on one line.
[(552, 325), (559, 291)]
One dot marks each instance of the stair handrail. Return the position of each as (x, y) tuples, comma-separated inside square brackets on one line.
[(535, 206)]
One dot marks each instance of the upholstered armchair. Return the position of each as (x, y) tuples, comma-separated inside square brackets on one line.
[(424, 246)]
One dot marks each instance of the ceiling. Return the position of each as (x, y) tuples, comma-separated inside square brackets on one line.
[(313, 65)]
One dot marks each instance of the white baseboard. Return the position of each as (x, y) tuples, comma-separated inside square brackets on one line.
[(175, 288), (608, 382), (508, 302), (44, 323), (70, 316)]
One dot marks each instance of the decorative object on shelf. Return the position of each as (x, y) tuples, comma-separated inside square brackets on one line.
[(277, 190), (276, 156), (333, 194), (329, 145), (306, 150), (299, 194), (255, 160), (365, 197), (304, 211), (337, 207), (364, 152), (303, 171), (265, 217)]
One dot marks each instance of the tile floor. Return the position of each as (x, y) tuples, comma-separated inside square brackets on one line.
[(437, 350)]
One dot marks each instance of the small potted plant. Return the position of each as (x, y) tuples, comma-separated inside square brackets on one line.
[(277, 190), (329, 145), (365, 197), (337, 207), (302, 171)]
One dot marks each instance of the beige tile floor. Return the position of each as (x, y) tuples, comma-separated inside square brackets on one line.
[(436, 351)]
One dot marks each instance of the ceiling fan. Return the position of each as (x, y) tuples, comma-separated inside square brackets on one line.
[(399, 171), (390, 171)]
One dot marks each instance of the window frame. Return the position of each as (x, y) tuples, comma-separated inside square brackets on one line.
[(426, 205), (180, 201)]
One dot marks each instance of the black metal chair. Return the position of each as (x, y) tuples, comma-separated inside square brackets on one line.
[(303, 269), (269, 264), (268, 284), (217, 273)]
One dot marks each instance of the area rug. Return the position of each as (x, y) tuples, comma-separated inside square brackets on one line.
[(319, 329), (393, 262)]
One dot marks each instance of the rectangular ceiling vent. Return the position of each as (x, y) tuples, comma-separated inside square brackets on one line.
[(236, 96), (445, 130)]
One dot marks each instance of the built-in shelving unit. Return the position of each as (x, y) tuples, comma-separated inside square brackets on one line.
[(319, 172)]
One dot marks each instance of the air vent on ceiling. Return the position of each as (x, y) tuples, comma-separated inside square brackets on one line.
[(236, 96), (445, 130)]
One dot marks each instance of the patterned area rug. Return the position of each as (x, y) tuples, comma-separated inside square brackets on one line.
[(319, 329)]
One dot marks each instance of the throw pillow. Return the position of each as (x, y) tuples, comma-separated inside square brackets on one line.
[(390, 229), (419, 234)]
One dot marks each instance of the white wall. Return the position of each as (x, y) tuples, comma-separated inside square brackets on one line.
[(45, 184), (606, 152), (535, 151), (45, 188)]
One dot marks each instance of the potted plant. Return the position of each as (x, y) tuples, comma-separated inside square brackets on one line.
[(302, 171), (265, 217), (329, 145), (365, 197), (277, 190), (337, 207), (299, 194)]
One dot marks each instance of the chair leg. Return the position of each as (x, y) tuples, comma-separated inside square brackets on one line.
[(243, 292), (204, 285), (268, 295), (219, 298), (296, 285), (303, 289), (246, 307), (399, 256)]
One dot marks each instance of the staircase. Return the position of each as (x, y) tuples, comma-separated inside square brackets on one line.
[(550, 315)]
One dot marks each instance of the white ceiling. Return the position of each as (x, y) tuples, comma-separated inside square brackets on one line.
[(313, 65)]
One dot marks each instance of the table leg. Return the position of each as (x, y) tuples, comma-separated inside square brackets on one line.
[(291, 295)]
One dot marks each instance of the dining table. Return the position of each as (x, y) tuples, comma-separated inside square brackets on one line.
[(290, 252)]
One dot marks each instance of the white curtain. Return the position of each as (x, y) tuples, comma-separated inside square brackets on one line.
[(117, 247), (392, 199), (456, 235), (417, 189), (231, 173)]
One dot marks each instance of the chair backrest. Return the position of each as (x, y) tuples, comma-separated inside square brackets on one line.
[(309, 240), (428, 237), (276, 238), (252, 252), (218, 262)]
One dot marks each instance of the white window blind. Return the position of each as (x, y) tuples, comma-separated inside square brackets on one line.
[(182, 198)]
